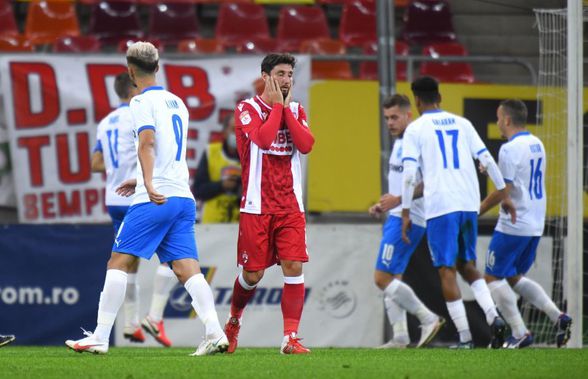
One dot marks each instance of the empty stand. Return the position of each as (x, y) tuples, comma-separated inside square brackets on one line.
[(15, 44), (258, 46), (369, 70), (241, 22), (172, 22), (300, 23), (453, 72), (358, 23), (201, 46), (327, 69), (428, 21), (113, 22), (126, 43), (77, 44), (7, 20), (49, 20)]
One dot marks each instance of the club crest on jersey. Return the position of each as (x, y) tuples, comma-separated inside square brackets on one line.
[(245, 118)]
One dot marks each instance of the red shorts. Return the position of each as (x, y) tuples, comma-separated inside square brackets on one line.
[(265, 240)]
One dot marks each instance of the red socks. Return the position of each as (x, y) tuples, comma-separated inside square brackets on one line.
[(292, 303)]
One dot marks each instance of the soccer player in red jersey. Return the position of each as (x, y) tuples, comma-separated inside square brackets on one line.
[(272, 132)]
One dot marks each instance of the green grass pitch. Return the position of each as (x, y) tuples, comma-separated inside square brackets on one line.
[(135, 363)]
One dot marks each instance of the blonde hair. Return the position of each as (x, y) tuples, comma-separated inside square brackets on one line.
[(144, 56)]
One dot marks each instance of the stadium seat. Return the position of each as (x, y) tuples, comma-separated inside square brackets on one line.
[(358, 23), (76, 44), (7, 21), (15, 44), (241, 22), (452, 72), (201, 46), (428, 21), (300, 23), (113, 22), (124, 44), (172, 22), (369, 70), (49, 20), (327, 69), (258, 46)]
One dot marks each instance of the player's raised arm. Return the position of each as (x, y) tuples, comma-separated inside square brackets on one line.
[(480, 152), (301, 134)]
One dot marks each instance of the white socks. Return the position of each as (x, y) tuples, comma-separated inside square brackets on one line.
[(458, 315), (111, 299), (203, 303), (506, 301), (532, 292), (397, 318), (163, 283), (131, 304), (406, 298), (484, 299)]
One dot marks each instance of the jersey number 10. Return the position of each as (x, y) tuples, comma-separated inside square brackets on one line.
[(453, 133)]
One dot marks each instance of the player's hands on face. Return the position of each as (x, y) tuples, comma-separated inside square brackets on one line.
[(288, 98), (509, 208), (375, 210), (388, 201), (406, 225), (154, 196), (127, 188), (274, 92)]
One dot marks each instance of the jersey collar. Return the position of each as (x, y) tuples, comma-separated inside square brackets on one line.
[(261, 102), (433, 111), (152, 88), (121, 105), (525, 133)]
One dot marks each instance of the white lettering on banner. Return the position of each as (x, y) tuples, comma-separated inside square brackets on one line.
[(36, 296), (53, 105)]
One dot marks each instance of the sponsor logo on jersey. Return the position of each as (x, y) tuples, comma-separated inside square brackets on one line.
[(282, 145)]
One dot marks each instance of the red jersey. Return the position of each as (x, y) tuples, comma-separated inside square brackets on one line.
[(269, 142)]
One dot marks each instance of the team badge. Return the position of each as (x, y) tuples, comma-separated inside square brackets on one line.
[(245, 118)]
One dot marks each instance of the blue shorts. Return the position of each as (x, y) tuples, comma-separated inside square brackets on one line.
[(510, 255), (117, 214), (451, 237), (394, 254), (167, 229)]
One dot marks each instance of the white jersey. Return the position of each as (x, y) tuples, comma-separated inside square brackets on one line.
[(395, 168), (114, 138), (444, 145), (166, 114), (522, 161)]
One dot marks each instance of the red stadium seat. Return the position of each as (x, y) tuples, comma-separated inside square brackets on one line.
[(113, 22), (241, 22), (15, 44), (49, 20), (172, 22), (358, 23), (428, 21), (201, 46), (125, 44), (297, 24), (452, 72), (7, 21), (258, 46), (327, 69), (369, 70), (76, 44)]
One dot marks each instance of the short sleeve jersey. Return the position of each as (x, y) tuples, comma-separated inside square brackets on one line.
[(523, 163), (166, 114), (395, 168), (272, 178), (114, 139), (445, 146)]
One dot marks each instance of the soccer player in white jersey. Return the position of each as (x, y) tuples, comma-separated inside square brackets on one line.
[(522, 161), (445, 146), (394, 254), (115, 154), (163, 212)]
